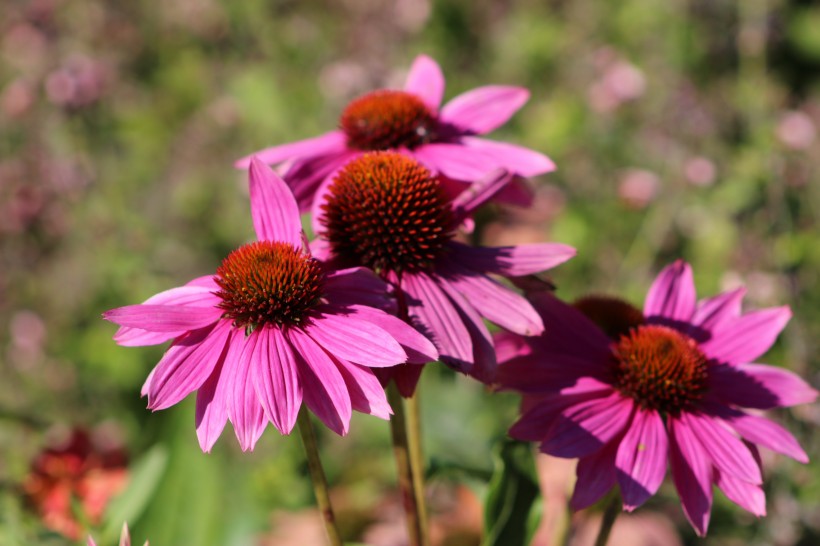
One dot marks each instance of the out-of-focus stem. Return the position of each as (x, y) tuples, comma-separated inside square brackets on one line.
[(317, 476), (417, 461), (613, 508)]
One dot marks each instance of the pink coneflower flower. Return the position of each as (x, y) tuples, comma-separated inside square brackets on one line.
[(410, 120), (386, 211), (270, 330), (626, 391)]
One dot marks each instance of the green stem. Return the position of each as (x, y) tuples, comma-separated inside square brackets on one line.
[(613, 508), (417, 461), (401, 450), (317, 476)]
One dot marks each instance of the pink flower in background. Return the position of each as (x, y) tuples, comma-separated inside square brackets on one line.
[(125, 538), (386, 211), (412, 121), (625, 391), (270, 330)]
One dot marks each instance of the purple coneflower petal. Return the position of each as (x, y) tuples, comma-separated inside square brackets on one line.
[(570, 331), (713, 313), (325, 392), (163, 318), (273, 207), (517, 159), (692, 474), (535, 424), (478, 193), (484, 365), (759, 386), (426, 81), (244, 409), (328, 143), (456, 160), (548, 372), (483, 109), (747, 337), (672, 294), (727, 452), (366, 392), (585, 427), (596, 476), (746, 495), (276, 379), (512, 261), (356, 340), (509, 346), (358, 286), (211, 409), (418, 348), (305, 177), (762, 431), (641, 458)]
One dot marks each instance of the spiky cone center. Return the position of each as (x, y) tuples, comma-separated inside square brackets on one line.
[(269, 282), (387, 119), (612, 315), (387, 212), (660, 368)]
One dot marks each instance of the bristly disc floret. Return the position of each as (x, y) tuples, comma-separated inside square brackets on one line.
[(387, 119), (612, 315), (386, 211), (660, 368), (268, 282)]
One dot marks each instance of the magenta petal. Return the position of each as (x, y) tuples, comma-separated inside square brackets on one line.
[(419, 349), (366, 392), (512, 261), (509, 346), (163, 318), (456, 161), (746, 495), (568, 331), (585, 427), (211, 410), (273, 207), (747, 337), (484, 109), (727, 451), (478, 193), (538, 419), (764, 432), (358, 286), (306, 176), (692, 473), (672, 295), (328, 143), (516, 159), (426, 81), (324, 388), (596, 476), (244, 409), (713, 313), (276, 378), (356, 340), (641, 458), (759, 386)]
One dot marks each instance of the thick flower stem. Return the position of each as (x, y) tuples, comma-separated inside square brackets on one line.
[(317, 476), (401, 450), (613, 508), (417, 460)]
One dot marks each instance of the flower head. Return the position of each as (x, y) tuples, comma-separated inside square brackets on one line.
[(386, 211), (412, 120), (625, 391), (270, 330)]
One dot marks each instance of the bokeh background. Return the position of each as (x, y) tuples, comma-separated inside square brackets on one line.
[(683, 128)]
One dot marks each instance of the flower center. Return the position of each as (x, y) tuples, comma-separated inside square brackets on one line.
[(387, 119), (386, 211), (612, 315), (660, 368), (268, 283)]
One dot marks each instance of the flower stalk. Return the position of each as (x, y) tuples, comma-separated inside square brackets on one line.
[(613, 508)]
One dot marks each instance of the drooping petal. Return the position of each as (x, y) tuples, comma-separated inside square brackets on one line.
[(747, 337), (163, 318), (759, 386), (672, 294), (419, 349), (211, 409), (762, 431), (483, 109), (328, 143), (596, 476), (186, 365), (641, 458), (456, 161), (244, 409), (747, 495), (426, 81), (356, 340), (727, 452), (276, 378), (691, 472), (324, 388), (516, 159), (366, 393), (712, 313), (273, 207), (478, 193), (585, 427), (512, 261)]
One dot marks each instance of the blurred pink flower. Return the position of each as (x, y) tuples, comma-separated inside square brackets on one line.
[(796, 130), (619, 82), (269, 330), (17, 98), (638, 188), (410, 120), (700, 171), (80, 81), (386, 211), (624, 391)]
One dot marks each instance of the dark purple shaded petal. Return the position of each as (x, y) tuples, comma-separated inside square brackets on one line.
[(746, 495), (692, 474), (405, 376), (186, 365), (358, 286), (584, 428), (456, 161), (478, 193), (567, 331), (276, 378), (483, 109), (419, 349), (325, 392), (713, 313), (366, 393), (516, 159), (244, 409), (747, 337), (355, 340), (727, 452), (596, 476), (542, 374), (163, 318), (541, 413), (211, 409), (273, 207), (512, 261), (641, 458), (305, 176), (328, 143), (672, 295), (758, 386), (426, 81)]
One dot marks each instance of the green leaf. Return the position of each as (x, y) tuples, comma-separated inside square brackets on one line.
[(511, 510)]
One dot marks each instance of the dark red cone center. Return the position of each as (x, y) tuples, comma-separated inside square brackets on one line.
[(387, 119)]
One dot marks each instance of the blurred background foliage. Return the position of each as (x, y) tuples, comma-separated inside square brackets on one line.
[(685, 128)]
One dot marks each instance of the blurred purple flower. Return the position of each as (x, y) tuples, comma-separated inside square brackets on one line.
[(270, 330), (624, 391)]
